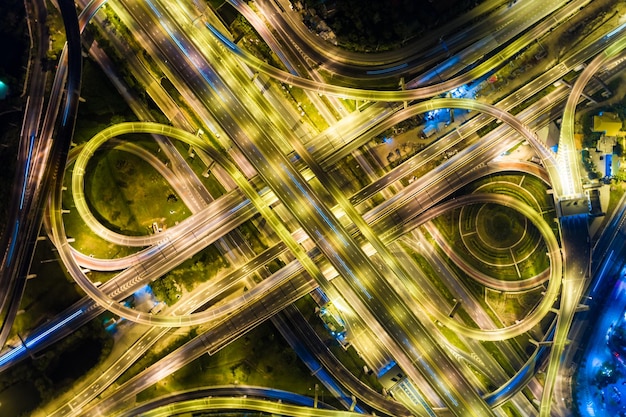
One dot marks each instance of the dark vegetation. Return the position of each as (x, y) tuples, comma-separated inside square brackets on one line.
[(384, 24), (46, 374), (14, 41), (14, 38), (102, 107), (199, 268)]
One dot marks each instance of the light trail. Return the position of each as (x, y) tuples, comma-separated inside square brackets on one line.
[(27, 170), (32, 342)]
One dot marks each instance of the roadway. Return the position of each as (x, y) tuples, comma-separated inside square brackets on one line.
[(229, 108), (429, 49), (287, 191), (235, 398), (266, 154), (576, 248), (13, 286), (414, 93), (41, 162), (112, 285), (183, 356)]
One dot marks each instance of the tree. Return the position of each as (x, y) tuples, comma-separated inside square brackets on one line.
[(166, 289)]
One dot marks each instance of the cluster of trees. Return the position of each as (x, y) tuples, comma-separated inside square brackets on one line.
[(608, 373), (199, 268), (14, 55), (384, 24)]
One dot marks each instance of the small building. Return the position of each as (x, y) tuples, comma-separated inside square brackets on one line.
[(605, 147), (605, 144), (607, 123)]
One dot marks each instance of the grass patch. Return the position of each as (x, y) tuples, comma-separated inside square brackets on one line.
[(349, 104), (489, 252), (453, 338), (215, 4), (497, 354), (615, 195), (86, 241), (499, 261), (513, 306), (275, 265), (477, 289), (428, 271), (213, 186), (303, 104), (487, 128), (510, 410), (57, 31), (126, 194), (527, 188)]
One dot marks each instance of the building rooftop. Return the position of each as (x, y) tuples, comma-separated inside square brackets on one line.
[(609, 123)]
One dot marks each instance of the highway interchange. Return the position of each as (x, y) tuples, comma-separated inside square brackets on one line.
[(341, 247)]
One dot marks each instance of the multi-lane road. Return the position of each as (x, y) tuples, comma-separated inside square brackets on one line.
[(283, 171)]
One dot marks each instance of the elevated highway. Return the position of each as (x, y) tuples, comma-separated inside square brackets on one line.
[(547, 156)]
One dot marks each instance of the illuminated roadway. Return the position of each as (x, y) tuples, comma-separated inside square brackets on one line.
[(403, 95), (443, 104), (497, 26), (181, 357), (136, 129), (568, 158), (233, 398), (576, 251), (39, 158), (10, 284), (564, 188), (294, 173), (109, 286), (99, 139)]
